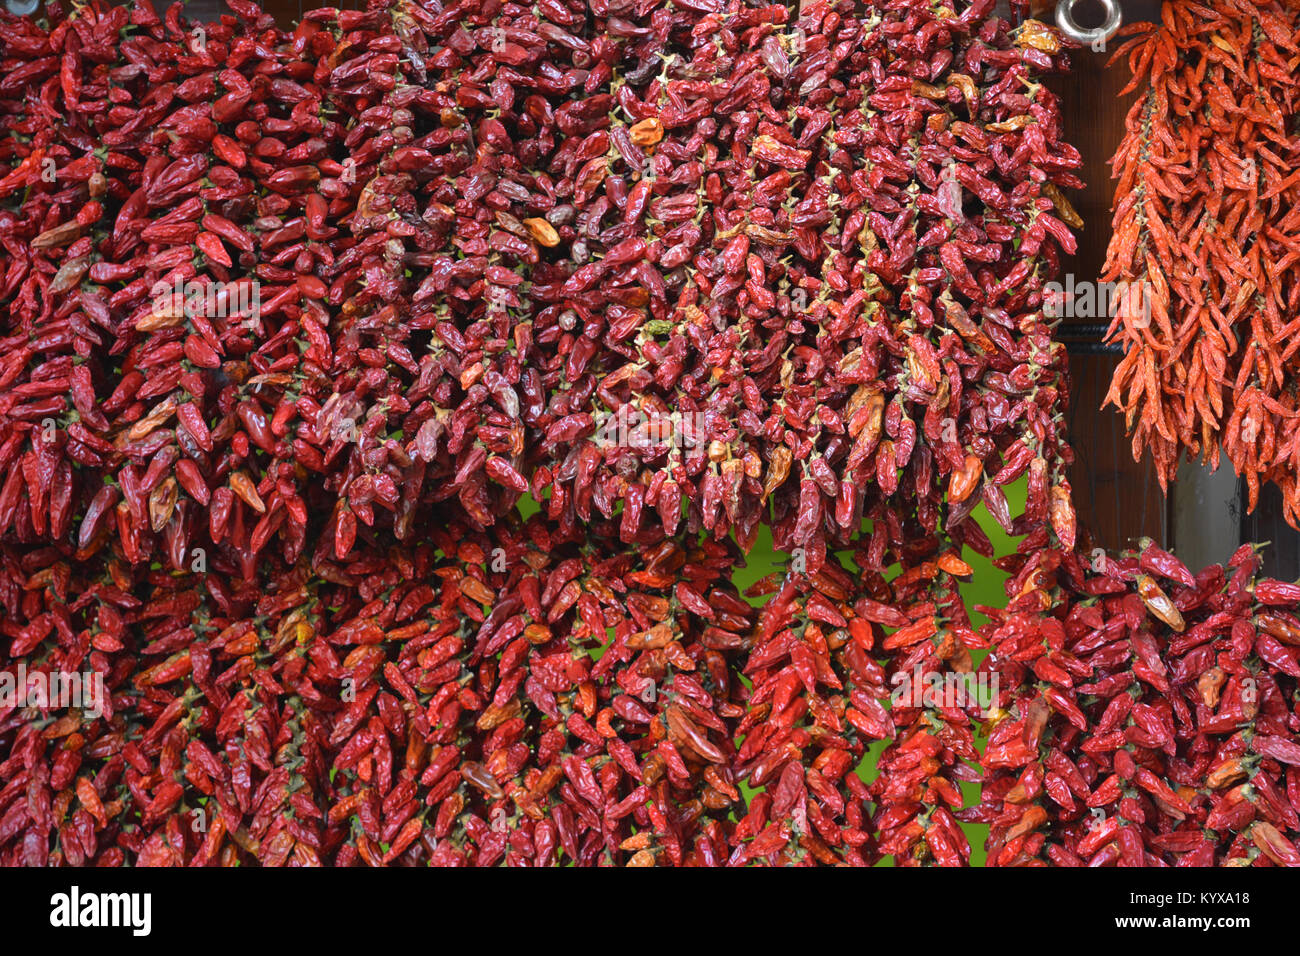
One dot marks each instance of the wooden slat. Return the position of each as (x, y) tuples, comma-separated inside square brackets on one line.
[(1266, 524)]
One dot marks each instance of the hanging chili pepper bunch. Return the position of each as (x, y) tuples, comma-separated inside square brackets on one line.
[(519, 98), (136, 405), (815, 705), (1206, 246), (1146, 715), (324, 169), (421, 409), (820, 697), (953, 212), (781, 330), (45, 372), (396, 708), (98, 783), (629, 756)]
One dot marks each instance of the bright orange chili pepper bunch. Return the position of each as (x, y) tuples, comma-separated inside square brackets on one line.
[(1206, 247)]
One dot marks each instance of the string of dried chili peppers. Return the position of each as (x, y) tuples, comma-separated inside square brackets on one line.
[(1206, 243)]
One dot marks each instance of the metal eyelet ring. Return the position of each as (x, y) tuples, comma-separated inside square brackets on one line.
[(1096, 37), (22, 8)]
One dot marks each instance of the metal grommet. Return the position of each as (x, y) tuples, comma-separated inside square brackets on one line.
[(1095, 38), (22, 8)]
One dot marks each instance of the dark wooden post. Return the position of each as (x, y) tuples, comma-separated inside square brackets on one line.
[(1116, 497)]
